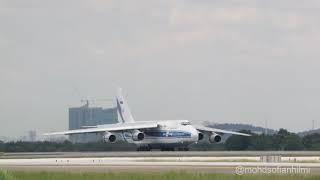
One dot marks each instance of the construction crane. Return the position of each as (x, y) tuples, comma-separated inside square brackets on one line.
[(90, 110), (86, 101)]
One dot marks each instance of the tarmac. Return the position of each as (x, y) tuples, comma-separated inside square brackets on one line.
[(229, 162), (158, 154)]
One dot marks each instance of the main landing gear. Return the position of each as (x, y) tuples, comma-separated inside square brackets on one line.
[(148, 148), (172, 149), (183, 149), (167, 149), (144, 148)]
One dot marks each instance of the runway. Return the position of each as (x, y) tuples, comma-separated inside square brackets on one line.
[(158, 154), (150, 164)]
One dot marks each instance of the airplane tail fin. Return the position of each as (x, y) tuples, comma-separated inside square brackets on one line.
[(124, 113)]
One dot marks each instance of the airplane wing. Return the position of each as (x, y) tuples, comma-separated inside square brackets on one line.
[(109, 127), (208, 129)]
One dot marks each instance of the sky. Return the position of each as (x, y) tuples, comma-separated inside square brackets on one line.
[(237, 61)]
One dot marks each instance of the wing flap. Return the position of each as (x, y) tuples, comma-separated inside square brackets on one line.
[(111, 128), (208, 129)]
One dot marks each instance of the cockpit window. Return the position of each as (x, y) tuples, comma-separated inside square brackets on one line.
[(185, 123)]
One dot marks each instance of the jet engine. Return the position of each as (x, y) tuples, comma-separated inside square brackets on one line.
[(200, 136), (109, 137), (137, 135), (214, 138)]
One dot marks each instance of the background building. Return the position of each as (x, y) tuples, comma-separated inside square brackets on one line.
[(32, 136), (90, 116)]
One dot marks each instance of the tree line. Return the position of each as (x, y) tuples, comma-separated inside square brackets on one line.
[(280, 141)]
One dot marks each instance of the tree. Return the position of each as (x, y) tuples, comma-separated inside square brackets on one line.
[(1, 146), (284, 140), (279, 139), (261, 142), (238, 143), (293, 143), (311, 141)]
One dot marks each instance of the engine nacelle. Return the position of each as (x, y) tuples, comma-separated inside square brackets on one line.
[(109, 137), (200, 136), (214, 138), (137, 135)]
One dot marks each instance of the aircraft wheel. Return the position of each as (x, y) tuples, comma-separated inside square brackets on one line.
[(144, 148), (183, 149), (167, 149)]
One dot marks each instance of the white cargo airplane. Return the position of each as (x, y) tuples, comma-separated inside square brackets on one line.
[(147, 135)]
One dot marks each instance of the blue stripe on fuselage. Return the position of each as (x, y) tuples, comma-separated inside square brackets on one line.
[(167, 134)]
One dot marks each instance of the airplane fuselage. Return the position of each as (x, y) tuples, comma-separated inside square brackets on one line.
[(168, 134)]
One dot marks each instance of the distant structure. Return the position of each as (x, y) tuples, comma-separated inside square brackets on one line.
[(313, 122), (89, 116), (32, 136)]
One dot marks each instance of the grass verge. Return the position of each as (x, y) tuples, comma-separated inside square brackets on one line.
[(4, 175)]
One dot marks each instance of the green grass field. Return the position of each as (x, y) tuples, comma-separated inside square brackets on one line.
[(4, 175)]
